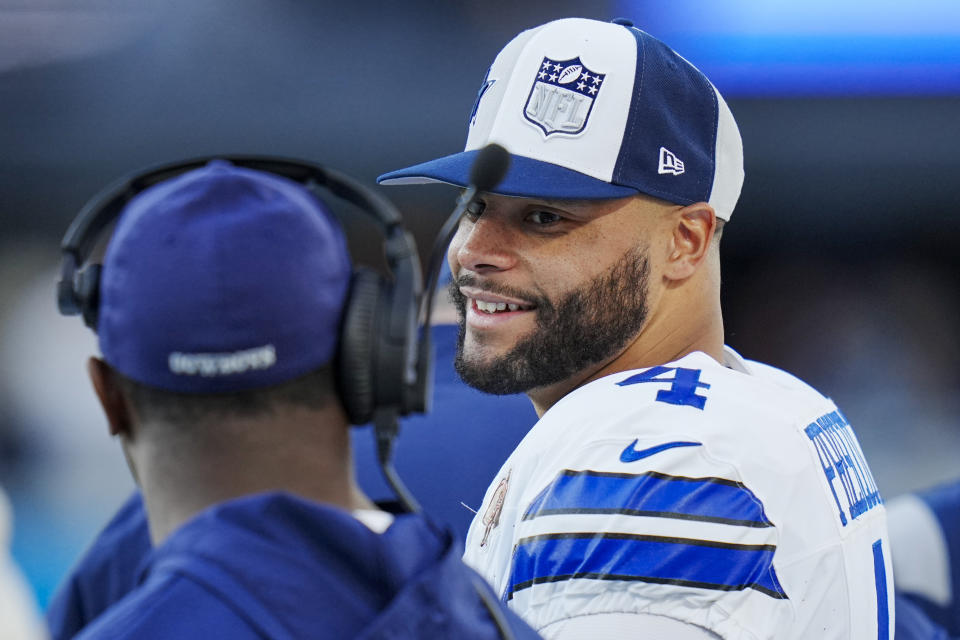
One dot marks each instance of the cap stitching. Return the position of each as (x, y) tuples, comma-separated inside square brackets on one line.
[(716, 134), (642, 66), (628, 138)]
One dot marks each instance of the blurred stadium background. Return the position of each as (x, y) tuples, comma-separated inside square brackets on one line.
[(841, 261)]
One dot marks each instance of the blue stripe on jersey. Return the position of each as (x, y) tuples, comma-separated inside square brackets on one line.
[(676, 561), (880, 577), (650, 494)]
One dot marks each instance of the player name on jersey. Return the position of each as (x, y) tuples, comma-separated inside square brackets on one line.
[(850, 479)]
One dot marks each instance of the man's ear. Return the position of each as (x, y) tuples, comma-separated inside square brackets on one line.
[(114, 403), (691, 237)]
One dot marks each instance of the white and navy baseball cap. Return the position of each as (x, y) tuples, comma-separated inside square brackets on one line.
[(223, 279), (597, 110)]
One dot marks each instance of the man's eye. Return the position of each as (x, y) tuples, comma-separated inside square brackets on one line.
[(543, 217), (475, 209)]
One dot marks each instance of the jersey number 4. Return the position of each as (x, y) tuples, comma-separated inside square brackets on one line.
[(683, 385)]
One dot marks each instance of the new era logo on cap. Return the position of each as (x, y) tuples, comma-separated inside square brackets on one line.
[(581, 104), (669, 163)]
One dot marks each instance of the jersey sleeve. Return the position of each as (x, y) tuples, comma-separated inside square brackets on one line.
[(656, 528)]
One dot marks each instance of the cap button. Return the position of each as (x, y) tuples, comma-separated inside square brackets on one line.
[(626, 22)]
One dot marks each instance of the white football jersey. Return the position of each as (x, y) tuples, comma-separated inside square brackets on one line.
[(729, 496)]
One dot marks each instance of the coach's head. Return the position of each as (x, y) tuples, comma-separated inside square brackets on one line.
[(598, 252), (220, 304)]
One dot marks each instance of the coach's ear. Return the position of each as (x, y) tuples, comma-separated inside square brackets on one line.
[(114, 403), (692, 235)]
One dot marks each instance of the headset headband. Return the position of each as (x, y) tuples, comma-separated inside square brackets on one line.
[(76, 289)]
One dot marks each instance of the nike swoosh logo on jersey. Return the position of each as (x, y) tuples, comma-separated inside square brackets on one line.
[(630, 454)]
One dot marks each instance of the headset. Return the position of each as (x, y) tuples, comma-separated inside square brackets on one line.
[(381, 373)]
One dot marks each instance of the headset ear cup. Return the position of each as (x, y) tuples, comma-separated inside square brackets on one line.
[(358, 345), (87, 287)]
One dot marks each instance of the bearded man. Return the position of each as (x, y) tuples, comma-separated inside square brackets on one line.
[(671, 488)]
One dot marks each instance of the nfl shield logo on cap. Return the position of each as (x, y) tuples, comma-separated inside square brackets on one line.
[(562, 96)]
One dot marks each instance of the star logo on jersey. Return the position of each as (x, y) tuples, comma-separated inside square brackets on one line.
[(630, 454), (491, 517), (562, 96)]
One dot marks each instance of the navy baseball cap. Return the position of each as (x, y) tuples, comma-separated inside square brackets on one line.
[(597, 110), (222, 279)]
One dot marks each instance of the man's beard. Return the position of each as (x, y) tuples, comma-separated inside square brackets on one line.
[(589, 325)]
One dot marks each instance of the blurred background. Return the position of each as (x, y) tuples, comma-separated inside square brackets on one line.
[(841, 263)]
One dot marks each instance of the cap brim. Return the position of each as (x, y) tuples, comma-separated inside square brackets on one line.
[(526, 178)]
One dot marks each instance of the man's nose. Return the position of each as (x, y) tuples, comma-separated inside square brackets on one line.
[(484, 245)]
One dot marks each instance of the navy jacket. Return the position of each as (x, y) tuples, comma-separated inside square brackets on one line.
[(277, 566), (106, 572)]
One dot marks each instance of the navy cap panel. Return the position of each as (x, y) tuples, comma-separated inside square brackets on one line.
[(222, 279), (674, 107)]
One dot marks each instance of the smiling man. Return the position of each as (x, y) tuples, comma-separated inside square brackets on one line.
[(579, 292), (671, 488)]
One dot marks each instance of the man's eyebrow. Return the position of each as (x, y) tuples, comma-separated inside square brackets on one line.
[(550, 202), (560, 202)]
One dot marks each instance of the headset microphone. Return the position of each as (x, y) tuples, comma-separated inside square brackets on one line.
[(491, 166), (488, 170)]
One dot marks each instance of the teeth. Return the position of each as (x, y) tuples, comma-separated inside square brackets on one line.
[(494, 307)]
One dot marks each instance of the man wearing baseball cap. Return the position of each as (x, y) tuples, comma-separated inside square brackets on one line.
[(221, 298), (671, 488)]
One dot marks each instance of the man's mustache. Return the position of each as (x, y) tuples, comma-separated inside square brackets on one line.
[(539, 301)]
